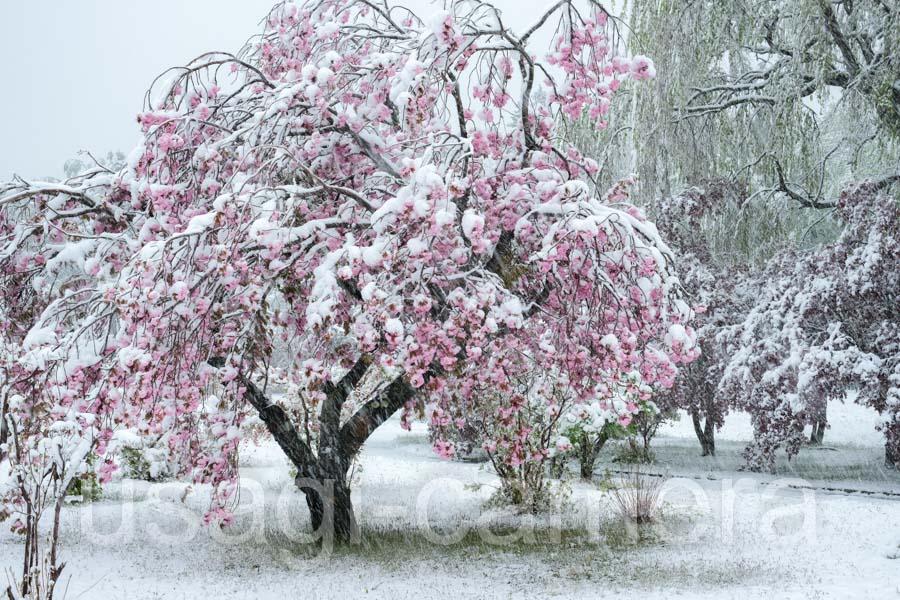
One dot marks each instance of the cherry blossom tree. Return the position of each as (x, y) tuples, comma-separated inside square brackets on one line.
[(825, 324), (379, 198)]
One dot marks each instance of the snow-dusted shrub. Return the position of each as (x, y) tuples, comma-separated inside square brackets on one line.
[(146, 463), (542, 426), (636, 495), (42, 459), (517, 423), (633, 451), (86, 487)]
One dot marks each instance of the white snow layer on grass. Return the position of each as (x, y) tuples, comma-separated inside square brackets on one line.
[(738, 536)]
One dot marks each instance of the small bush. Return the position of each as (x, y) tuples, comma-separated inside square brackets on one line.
[(85, 487), (525, 497), (632, 452), (147, 464), (637, 496)]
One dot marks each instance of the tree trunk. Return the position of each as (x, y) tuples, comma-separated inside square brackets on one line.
[(330, 509), (709, 432), (322, 476), (817, 435), (706, 434), (586, 460), (589, 451), (4, 430), (892, 445)]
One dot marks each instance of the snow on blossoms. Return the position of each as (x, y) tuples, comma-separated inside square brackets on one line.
[(360, 200)]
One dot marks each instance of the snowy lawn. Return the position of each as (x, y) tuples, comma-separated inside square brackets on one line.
[(722, 533)]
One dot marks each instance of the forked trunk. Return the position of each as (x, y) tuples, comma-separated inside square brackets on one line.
[(326, 487), (706, 434), (330, 509), (817, 435), (322, 476)]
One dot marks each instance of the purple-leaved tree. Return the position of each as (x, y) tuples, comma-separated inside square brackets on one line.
[(824, 325), (719, 296)]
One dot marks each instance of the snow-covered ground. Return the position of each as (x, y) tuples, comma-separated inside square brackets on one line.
[(851, 458), (723, 533)]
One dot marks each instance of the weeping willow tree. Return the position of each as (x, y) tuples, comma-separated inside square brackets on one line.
[(793, 98)]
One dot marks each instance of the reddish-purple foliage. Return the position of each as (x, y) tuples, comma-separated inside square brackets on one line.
[(715, 291), (824, 325)]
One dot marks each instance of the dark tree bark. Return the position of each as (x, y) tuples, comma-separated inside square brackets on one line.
[(706, 434), (327, 492), (589, 450), (4, 430), (322, 476), (819, 423), (892, 445), (817, 435)]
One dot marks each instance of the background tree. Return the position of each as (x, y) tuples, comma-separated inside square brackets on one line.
[(824, 324), (795, 98), (719, 292), (746, 92), (791, 101)]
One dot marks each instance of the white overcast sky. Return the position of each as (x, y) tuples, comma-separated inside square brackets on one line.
[(74, 72)]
